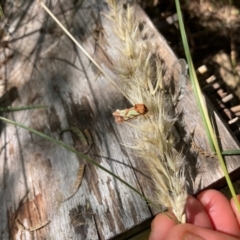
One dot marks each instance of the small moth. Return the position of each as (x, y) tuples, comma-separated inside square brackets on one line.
[(130, 113)]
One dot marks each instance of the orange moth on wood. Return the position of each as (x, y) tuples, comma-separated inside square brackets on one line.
[(130, 113)]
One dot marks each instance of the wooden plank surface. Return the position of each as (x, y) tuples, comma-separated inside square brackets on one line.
[(40, 65)]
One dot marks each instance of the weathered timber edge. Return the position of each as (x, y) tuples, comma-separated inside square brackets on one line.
[(40, 65)]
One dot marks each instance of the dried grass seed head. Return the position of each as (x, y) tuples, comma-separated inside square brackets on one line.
[(141, 73)]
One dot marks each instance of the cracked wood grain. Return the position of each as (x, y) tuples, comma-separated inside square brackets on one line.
[(42, 66)]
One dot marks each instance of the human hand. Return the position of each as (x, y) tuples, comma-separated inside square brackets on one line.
[(210, 216)]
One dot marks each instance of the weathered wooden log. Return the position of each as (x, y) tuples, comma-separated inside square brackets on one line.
[(40, 65)]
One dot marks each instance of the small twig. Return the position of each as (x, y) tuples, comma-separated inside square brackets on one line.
[(78, 182), (200, 150), (21, 226)]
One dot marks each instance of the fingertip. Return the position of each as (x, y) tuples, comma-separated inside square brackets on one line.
[(213, 201), (235, 209), (196, 213), (189, 231), (217, 206), (161, 225), (207, 194)]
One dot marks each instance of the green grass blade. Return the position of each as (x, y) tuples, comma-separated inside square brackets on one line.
[(231, 152), (13, 109), (71, 149), (1, 13), (202, 107), (193, 77)]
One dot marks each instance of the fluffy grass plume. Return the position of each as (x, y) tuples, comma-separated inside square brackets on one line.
[(153, 114)]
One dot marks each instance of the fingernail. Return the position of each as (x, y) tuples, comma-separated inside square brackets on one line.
[(191, 236)]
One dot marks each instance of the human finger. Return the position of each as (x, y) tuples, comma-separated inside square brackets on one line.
[(220, 212), (235, 210), (192, 232), (161, 225), (196, 213)]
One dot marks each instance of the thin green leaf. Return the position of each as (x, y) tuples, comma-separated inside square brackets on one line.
[(193, 77), (71, 149), (78, 133), (231, 152), (13, 109), (1, 13), (203, 110)]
